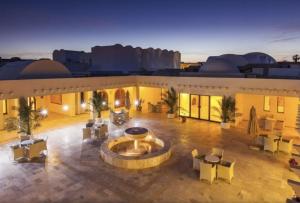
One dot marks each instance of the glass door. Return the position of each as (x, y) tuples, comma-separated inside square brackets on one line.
[(204, 107), (215, 109), (184, 100), (195, 106)]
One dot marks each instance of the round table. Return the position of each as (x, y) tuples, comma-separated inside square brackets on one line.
[(212, 159)]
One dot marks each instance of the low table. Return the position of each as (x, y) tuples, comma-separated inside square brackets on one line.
[(212, 159)]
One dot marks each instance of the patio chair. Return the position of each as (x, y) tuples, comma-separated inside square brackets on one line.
[(103, 130), (197, 158), (18, 152), (86, 133), (208, 171), (217, 152), (225, 170), (279, 125), (34, 150), (270, 144), (97, 133), (286, 146)]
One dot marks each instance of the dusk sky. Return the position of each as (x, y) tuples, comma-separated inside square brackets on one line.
[(198, 29)]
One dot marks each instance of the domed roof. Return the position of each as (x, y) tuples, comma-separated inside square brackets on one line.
[(215, 64), (259, 58), (33, 69), (230, 63)]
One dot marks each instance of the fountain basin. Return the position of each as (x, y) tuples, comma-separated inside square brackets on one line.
[(155, 157)]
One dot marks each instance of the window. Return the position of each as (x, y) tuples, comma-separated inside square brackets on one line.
[(4, 108), (280, 104), (32, 101), (266, 103)]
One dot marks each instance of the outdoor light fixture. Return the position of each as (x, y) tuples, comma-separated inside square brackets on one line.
[(44, 112), (117, 102), (83, 105), (65, 107), (136, 102), (103, 103)]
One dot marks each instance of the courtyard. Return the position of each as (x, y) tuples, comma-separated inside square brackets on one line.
[(74, 172)]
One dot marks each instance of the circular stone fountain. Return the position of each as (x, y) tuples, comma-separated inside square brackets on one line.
[(137, 149)]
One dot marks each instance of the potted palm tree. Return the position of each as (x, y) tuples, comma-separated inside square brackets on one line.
[(98, 103), (226, 111), (28, 118), (170, 99)]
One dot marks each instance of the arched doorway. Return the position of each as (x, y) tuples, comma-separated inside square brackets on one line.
[(120, 98)]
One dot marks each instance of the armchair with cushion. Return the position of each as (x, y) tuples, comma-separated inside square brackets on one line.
[(217, 152), (225, 170), (270, 144), (208, 171), (86, 133), (18, 152), (286, 146)]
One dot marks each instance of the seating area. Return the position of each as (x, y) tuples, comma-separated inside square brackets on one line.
[(29, 149), (212, 166), (275, 143), (95, 129), (119, 117)]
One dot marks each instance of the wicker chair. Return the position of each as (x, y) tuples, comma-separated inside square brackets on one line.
[(286, 146), (86, 133), (18, 152), (217, 152), (35, 150), (208, 172), (225, 170), (270, 144)]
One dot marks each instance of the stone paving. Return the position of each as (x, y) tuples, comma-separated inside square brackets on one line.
[(73, 171)]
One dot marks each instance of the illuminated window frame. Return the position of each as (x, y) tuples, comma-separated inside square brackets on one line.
[(267, 105), (280, 107)]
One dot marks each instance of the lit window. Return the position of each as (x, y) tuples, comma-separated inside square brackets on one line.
[(266, 103), (4, 108), (280, 104)]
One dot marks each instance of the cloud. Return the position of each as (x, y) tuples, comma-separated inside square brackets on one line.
[(285, 39)]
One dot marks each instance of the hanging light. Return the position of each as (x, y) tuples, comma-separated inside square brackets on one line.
[(65, 107), (117, 102)]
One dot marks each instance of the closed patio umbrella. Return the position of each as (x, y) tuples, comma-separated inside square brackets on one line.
[(252, 124)]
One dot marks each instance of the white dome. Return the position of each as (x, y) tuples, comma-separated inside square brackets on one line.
[(217, 64), (230, 63), (259, 58)]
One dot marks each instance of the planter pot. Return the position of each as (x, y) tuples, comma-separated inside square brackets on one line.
[(225, 125), (171, 115)]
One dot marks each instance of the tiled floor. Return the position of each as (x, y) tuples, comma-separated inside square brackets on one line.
[(73, 171)]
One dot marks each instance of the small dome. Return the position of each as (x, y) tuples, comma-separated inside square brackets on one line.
[(215, 64), (45, 68), (259, 58)]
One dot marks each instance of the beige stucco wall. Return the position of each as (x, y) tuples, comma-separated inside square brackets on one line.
[(245, 101)]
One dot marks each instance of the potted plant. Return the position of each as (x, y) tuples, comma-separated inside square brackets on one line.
[(139, 104), (170, 99), (28, 118), (99, 104), (226, 110)]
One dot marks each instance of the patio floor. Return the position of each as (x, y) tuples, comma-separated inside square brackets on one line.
[(73, 171)]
